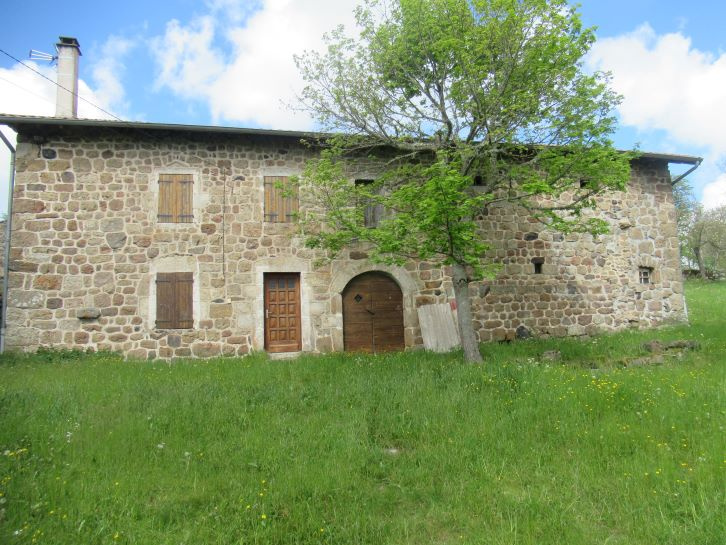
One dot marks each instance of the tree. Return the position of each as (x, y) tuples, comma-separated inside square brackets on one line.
[(468, 104), (706, 241), (686, 208), (701, 232)]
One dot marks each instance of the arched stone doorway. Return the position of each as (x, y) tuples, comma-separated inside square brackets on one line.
[(373, 314)]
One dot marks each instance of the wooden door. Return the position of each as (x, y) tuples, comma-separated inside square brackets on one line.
[(373, 314), (282, 312)]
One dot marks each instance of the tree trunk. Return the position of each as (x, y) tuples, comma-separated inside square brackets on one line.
[(463, 308), (701, 264)]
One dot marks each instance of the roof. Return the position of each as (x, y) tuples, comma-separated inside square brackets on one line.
[(14, 121), (18, 121)]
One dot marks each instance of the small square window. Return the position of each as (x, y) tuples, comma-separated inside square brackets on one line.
[(645, 275), (538, 262)]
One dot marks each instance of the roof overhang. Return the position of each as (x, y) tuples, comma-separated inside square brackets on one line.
[(18, 122)]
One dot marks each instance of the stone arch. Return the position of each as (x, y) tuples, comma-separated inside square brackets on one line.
[(373, 313), (345, 274), (409, 289)]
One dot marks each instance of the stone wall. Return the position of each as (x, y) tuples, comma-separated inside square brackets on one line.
[(589, 284), (87, 247)]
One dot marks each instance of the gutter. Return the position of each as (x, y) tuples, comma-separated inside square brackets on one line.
[(686, 173), (8, 231)]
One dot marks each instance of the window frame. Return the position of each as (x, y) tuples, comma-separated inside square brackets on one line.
[(645, 273)]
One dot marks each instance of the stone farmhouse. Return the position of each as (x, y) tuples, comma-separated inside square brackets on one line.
[(161, 240)]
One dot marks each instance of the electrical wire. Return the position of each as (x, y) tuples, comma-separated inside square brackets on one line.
[(36, 95), (151, 136), (59, 85)]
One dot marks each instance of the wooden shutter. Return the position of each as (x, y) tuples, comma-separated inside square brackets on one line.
[(175, 198), (164, 301), (373, 212), (166, 188), (174, 300), (281, 200)]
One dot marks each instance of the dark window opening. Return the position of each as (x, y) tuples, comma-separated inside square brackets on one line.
[(538, 262), (645, 275), (478, 180), (373, 212)]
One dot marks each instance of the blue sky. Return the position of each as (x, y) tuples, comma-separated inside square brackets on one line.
[(228, 62)]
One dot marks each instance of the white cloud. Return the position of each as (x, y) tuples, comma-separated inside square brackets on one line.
[(24, 92), (714, 194), (187, 60), (257, 76), (667, 84), (107, 73), (233, 11)]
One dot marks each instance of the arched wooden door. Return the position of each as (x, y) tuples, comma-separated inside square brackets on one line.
[(373, 314)]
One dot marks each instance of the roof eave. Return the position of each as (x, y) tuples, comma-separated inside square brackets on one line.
[(16, 121)]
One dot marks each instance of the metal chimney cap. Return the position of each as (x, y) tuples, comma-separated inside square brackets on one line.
[(68, 41)]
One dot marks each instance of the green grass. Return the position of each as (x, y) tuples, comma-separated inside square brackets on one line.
[(407, 448)]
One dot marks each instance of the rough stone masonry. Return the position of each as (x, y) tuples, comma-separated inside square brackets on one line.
[(86, 247)]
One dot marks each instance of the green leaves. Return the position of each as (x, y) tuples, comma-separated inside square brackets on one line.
[(488, 88), (442, 93), (429, 210)]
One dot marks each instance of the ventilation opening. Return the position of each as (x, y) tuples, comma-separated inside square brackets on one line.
[(538, 262)]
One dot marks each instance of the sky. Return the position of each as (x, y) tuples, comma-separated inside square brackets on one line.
[(230, 62)]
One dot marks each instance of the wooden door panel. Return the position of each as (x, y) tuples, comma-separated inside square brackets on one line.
[(373, 314), (282, 312)]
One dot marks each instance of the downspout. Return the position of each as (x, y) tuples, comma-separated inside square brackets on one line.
[(8, 231)]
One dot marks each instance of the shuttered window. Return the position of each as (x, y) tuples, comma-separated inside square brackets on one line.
[(174, 301), (175, 198), (281, 200), (373, 212)]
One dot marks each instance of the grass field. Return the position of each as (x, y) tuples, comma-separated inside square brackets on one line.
[(342, 449)]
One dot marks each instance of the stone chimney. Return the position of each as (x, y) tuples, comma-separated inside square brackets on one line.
[(66, 102)]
